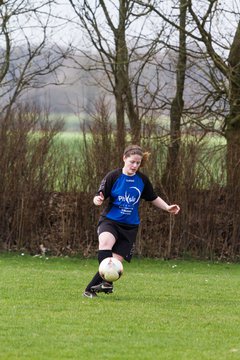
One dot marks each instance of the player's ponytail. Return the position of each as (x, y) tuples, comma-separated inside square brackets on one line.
[(145, 158)]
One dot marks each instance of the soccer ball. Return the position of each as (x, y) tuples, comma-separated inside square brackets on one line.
[(110, 269)]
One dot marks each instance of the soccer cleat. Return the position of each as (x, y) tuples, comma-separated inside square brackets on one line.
[(89, 294), (105, 287)]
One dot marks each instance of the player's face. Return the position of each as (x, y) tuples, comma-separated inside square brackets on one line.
[(131, 164)]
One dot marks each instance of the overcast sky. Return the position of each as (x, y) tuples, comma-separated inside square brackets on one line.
[(62, 31)]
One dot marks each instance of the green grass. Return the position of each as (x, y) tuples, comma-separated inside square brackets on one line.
[(160, 310)]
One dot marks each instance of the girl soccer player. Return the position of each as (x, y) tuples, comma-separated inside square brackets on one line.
[(118, 224)]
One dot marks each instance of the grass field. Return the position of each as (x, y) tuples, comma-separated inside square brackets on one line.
[(160, 310)]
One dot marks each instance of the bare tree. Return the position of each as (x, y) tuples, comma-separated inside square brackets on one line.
[(229, 67), (177, 105), (121, 52), (212, 72), (28, 57)]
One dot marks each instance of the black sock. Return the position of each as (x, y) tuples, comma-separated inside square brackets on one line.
[(95, 281), (102, 254)]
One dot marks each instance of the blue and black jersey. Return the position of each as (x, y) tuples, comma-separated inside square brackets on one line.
[(124, 193)]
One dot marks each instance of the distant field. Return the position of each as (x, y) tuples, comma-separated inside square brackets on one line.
[(68, 148), (208, 154), (175, 310), (72, 122)]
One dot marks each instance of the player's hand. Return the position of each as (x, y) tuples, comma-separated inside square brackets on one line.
[(173, 209), (98, 199)]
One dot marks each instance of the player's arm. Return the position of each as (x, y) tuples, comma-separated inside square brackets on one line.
[(161, 204), (104, 190)]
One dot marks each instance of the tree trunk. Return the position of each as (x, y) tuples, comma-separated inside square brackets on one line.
[(133, 117), (233, 140), (120, 119), (170, 178), (122, 73), (233, 119)]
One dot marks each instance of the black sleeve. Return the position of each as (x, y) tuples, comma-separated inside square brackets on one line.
[(107, 182), (148, 193)]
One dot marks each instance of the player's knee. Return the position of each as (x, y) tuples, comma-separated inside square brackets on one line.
[(106, 241), (119, 257)]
